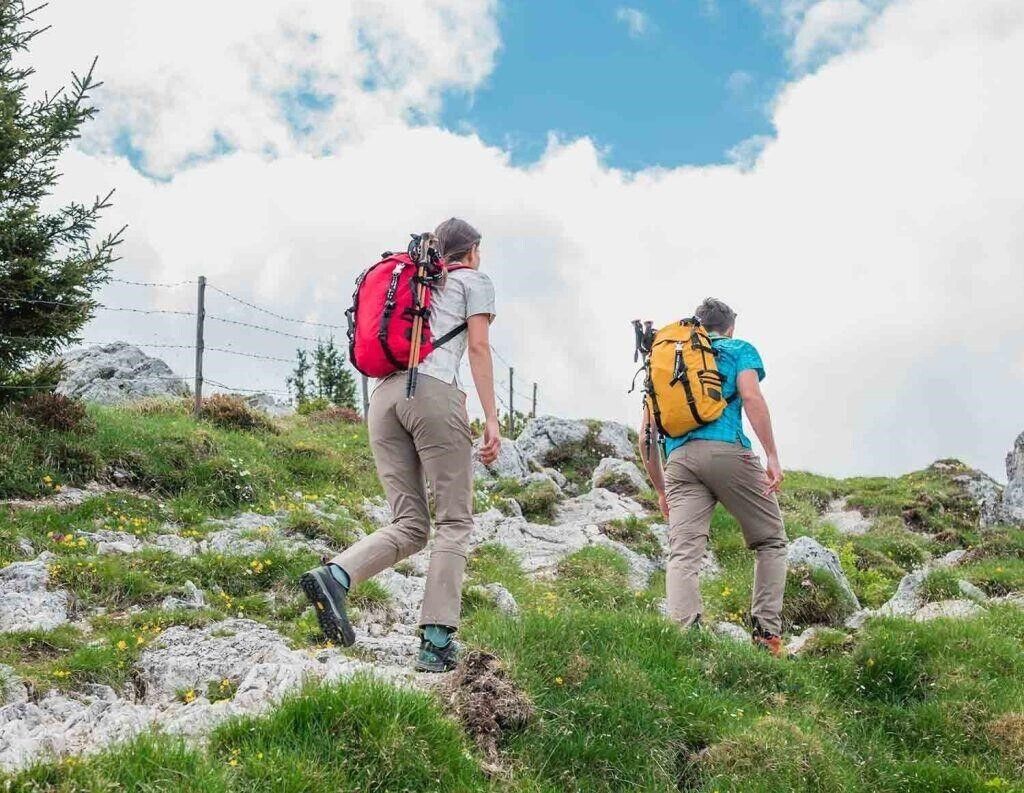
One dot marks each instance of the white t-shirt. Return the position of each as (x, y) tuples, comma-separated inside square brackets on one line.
[(465, 294)]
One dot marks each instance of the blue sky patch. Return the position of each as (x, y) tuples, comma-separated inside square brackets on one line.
[(659, 83)]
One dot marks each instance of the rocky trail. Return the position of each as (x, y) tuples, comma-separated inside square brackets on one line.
[(189, 679)]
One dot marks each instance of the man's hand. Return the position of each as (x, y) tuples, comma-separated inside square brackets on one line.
[(492, 442), (774, 475), (663, 503)]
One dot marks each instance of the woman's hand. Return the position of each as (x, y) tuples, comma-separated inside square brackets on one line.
[(492, 442), (663, 503)]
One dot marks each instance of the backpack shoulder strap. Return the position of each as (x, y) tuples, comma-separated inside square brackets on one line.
[(450, 335)]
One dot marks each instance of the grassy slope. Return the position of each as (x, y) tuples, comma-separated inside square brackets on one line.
[(624, 700)]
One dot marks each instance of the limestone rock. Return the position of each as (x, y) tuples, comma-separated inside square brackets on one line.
[(799, 643), (266, 403), (377, 510), (115, 373), (971, 592), (1013, 496), (545, 434), (847, 521), (619, 476), (597, 507), (12, 690), (948, 609), (730, 630), (810, 552), (25, 601), (501, 597), (510, 464), (184, 658), (192, 598)]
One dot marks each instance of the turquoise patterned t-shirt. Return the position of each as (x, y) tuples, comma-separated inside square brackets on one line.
[(734, 356)]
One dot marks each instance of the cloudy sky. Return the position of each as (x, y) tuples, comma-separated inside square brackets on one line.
[(846, 173)]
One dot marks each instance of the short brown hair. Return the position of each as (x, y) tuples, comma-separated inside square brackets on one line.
[(715, 315)]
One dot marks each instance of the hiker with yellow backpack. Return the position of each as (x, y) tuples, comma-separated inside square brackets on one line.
[(699, 380)]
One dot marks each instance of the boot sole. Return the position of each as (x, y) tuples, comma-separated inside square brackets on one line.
[(333, 621)]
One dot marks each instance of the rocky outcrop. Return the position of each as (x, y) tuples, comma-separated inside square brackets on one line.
[(267, 403), (948, 609), (1013, 496), (543, 436), (847, 521), (26, 602), (619, 476), (114, 373), (512, 462), (808, 551)]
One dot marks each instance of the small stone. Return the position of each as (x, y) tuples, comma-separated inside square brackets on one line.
[(501, 598), (619, 476), (948, 609), (730, 630)]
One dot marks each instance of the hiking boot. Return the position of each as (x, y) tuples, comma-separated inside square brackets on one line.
[(767, 640), (437, 659), (328, 598)]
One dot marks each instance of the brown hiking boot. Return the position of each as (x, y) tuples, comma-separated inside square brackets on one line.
[(767, 640), (770, 642)]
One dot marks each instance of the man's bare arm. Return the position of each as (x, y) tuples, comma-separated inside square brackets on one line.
[(756, 408), (651, 456)]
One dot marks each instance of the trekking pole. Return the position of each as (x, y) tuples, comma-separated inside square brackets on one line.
[(422, 250)]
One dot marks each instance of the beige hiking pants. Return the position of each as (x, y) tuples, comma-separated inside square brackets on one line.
[(426, 436), (699, 474)]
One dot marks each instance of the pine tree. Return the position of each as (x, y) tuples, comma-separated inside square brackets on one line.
[(49, 266), (332, 381)]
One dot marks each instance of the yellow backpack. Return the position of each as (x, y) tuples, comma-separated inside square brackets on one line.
[(683, 385)]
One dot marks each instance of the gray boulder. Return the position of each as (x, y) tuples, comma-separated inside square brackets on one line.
[(511, 462), (847, 521), (948, 609), (810, 552), (114, 373), (25, 601), (266, 403), (545, 434), (191, 598), (985, 492), (500, 597), (619, 476), (1013, 495)]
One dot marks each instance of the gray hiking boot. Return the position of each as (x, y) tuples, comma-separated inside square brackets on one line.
[(437, 659), (328, 596)]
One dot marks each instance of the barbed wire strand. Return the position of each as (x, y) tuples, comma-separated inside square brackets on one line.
[(99, 306), (153, 284), (217, 318), (273, 314), (207, 381)]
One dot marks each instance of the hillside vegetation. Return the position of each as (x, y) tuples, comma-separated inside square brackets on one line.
[(620, 698)]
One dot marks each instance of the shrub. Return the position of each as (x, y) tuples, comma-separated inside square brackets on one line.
[(635, 534), (231, 412), (940, 585), (537, 499), (54, 412), (334, 414), (307, 407), (813, 597)]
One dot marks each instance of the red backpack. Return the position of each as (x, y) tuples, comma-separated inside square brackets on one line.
[(381, 317)]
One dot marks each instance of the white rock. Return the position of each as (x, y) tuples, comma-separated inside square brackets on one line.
[(378, 511), (184, 658), (970, 591), (543, 478), (510, 464), (731, 630), (847, 521), (619, 476), (266, 403), (810, 552), (544, 434), (12, 689), (501, 597), (597, 507), (406, 593), (1012, 508), (948, 609), (799, 643), (908, 598), (25, 601), (556, 476), (115, 373), (173, 543), (192, 598)]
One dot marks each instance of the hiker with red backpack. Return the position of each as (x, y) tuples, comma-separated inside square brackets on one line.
[(415, 315), (698, 379)]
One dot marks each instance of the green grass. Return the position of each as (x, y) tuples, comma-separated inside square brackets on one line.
[(624, 700), (536, 499), (360, 736)]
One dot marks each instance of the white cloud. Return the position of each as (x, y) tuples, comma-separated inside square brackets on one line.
[(185, 78), (872, 249), (635, 20), (818, 29)]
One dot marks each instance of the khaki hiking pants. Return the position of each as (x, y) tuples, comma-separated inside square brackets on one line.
[(699, 474), (426, 436)]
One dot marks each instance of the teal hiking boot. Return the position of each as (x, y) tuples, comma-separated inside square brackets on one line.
[(437, 659), (328, 597)]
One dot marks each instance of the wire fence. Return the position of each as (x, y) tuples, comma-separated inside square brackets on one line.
[(515, 396)]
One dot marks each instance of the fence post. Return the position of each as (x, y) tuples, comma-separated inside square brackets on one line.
[(533, 410), (511, 403), (200, 318), (366, 400)]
